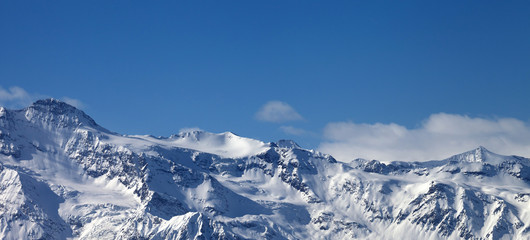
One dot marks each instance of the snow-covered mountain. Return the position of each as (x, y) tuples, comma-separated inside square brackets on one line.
[(63, 176)]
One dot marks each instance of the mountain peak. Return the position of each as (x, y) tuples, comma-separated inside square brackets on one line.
[(476, 155), (55, 106), (195, 133), (481, 149), (287, 144), (479, 154), (52, 103), (52, 109)]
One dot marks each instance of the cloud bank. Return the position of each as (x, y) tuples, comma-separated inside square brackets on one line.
[(277, 112), (438, 137)]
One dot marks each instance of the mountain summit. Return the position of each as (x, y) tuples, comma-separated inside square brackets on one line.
[(480, 154), (63, 176), (52, 110)]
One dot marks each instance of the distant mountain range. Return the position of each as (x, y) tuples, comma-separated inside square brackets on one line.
[(64, 176)]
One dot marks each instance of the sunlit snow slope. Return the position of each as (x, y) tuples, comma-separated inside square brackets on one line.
[(63, 176)]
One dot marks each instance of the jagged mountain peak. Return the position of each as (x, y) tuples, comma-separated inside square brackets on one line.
[(55, 106), (284, 143), (53, 102), (54, 111)]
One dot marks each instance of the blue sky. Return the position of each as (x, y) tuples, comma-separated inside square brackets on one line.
[(156, 67)]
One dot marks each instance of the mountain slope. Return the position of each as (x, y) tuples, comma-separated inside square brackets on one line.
[(64, 176)]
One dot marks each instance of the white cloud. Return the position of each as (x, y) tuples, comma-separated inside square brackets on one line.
[(74, 102), (293, 131), (276, 111), (14, 97), (17, 97), (438, 137)]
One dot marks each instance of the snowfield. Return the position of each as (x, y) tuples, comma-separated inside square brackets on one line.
[(62, 176)]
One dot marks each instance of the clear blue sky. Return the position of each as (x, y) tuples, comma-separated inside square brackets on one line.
[(154, 67)]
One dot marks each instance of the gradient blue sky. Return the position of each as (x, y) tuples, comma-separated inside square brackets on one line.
[(154, 67)]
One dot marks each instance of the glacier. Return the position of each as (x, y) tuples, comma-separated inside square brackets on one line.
[(62, 176)]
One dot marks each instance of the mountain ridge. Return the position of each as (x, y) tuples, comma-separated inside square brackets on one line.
[(200, 185)]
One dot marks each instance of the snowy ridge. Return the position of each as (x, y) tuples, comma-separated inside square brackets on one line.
[(62, 176)]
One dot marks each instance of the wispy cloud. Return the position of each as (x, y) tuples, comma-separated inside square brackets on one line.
[(17, 97), (74, 102), (439, 136), (278, 112), (14, 97), (293, 130)]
